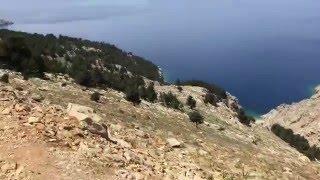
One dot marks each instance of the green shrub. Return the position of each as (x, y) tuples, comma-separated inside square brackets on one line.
[(191, 102), (95, 97), (211, 99), (133, 95), (4, 78), (171, 101), (3, 50), (79, 71), (22, 59), (196, 117), (149, 93)]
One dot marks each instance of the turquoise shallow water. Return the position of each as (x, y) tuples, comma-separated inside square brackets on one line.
[(264, 52)]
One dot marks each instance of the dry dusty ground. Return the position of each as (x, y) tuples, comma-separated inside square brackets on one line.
[(39, 140)]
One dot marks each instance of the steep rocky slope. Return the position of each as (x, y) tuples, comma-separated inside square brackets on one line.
[(52, 130), (302, 117)]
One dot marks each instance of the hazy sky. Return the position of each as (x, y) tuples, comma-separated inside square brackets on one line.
[(39, 11)]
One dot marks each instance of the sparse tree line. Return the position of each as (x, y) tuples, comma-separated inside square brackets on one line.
[(214, 95), (31, 47), (103, 66), (34, 54), (297, 141)]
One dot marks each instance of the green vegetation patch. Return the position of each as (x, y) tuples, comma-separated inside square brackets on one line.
[(297, 141)]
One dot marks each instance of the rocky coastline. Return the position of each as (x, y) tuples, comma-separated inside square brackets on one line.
[(301, 117)]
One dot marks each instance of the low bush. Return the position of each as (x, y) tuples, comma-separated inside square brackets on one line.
[(95, 97), (133, 95), (149, 94), (191, 102), (211, 99), (171, 101), (4, 78), (196, 117)]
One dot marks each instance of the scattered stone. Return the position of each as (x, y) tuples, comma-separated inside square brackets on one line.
[(117, 158), (123, 143), (115, 127), (8, 166), (18, 171), (140, 133), (124, 174), (202, 152), (87, 151), (174, 143), (19, 88), (255, 140), (98, 129), (33, 120), (82, 112), (20, 107), (48, 76), (37, 97), (44, 88), (6, 111)]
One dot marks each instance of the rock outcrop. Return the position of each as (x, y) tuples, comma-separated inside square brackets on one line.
[(82, 113), (302, 117)]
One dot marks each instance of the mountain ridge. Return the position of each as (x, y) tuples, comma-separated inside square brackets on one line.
[(104, 119)]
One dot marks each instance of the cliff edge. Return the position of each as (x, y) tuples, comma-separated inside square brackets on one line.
[(302, 117)]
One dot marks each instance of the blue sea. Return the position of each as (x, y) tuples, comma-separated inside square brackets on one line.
[(265, 52)]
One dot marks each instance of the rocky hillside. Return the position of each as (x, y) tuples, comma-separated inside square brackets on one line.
[(77, 109), (51, 129), (82, 59), (302, 118)]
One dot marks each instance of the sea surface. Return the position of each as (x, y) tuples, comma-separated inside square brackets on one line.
[(265, 52)]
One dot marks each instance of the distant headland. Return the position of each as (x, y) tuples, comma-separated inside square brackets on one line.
[(5, 22)]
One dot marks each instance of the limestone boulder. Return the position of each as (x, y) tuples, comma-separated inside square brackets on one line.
[(174, 143), (82, 112)]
